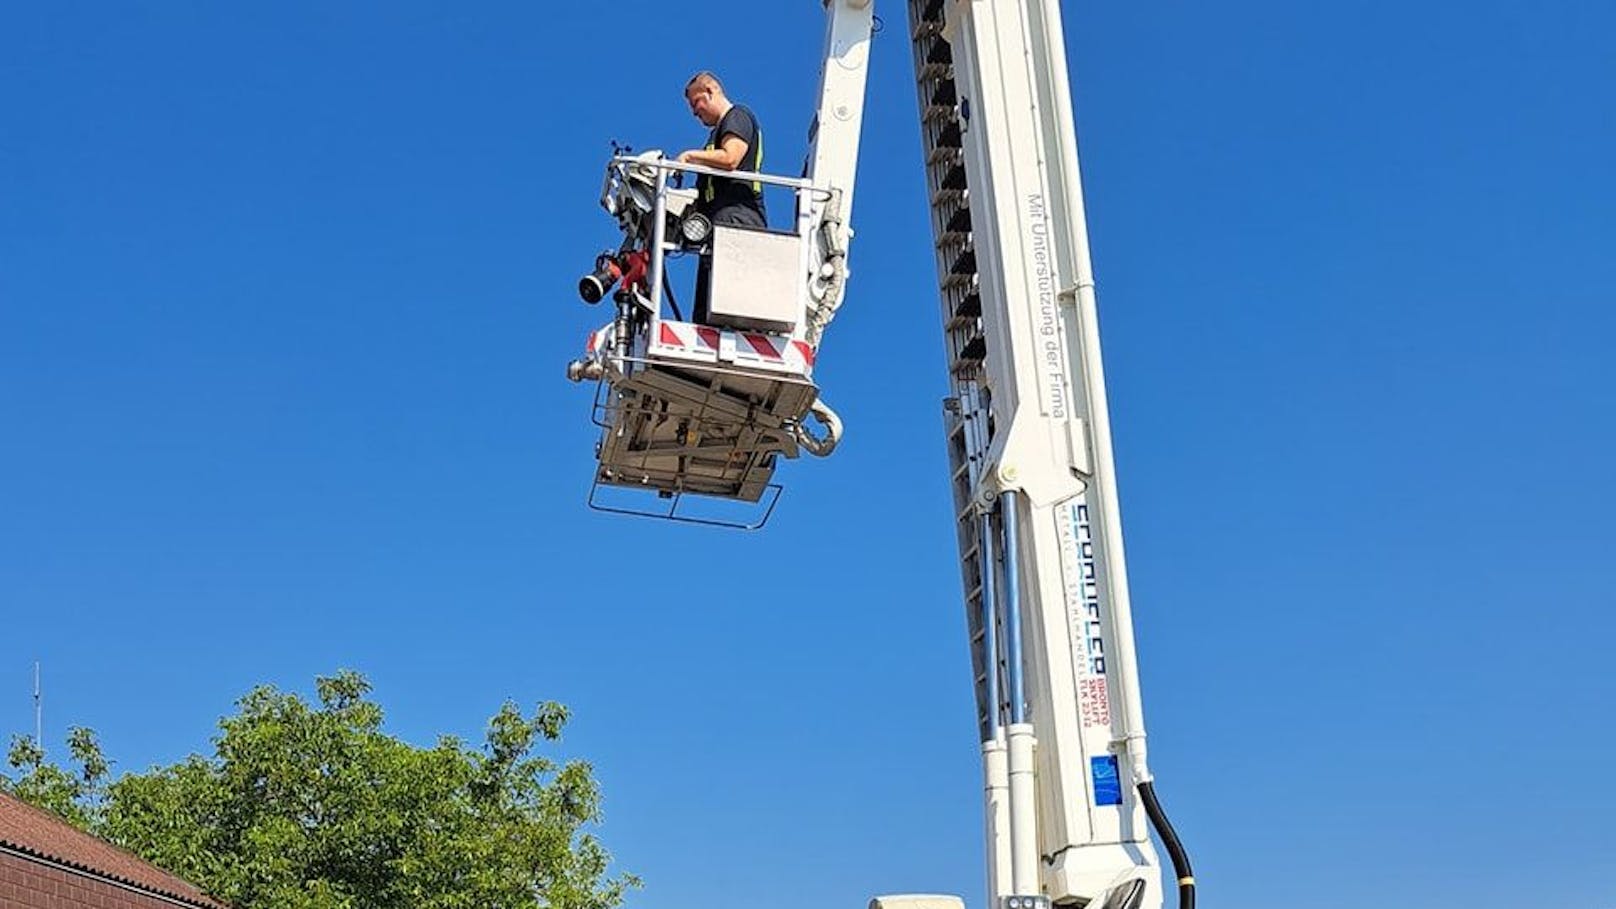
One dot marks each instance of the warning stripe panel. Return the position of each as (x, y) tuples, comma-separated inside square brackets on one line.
[(684, 335), (763, 344), (704, 340)]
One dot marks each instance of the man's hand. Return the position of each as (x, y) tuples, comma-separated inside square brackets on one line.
[(689, 157)]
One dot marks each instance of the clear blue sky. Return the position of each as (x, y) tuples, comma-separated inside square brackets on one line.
[(286, 291)]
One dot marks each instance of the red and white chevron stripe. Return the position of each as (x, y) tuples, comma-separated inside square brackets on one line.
[(743, 348), (597, 340), (705, 343), (688, 337)]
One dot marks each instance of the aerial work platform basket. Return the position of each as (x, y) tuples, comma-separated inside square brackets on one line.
[(708, 409)]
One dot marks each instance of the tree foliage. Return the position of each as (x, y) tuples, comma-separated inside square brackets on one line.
[(76, 797), (313, 806)]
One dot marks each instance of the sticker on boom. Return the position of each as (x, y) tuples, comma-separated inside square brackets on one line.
[(1107, 781)]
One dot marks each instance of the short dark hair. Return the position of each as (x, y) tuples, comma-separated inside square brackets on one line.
[(704, 79)]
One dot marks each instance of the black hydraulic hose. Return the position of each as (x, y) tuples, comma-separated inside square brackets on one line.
[(1175, 849), (667, 291)]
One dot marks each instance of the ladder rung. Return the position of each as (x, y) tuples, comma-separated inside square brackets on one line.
[(969, 308)]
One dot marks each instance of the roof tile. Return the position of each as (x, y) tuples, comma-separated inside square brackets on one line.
[(43, 835)]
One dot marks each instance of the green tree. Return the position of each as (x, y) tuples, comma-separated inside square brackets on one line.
[(77, 796), (312, 806)]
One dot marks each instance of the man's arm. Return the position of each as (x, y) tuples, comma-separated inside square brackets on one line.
[(729, 154)]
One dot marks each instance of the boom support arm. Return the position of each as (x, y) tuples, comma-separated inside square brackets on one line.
[(833, 150), (1029, 442)]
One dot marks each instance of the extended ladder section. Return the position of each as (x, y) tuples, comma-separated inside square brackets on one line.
[(1036, 511), (969, 417)]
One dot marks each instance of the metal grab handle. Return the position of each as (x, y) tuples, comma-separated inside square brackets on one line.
[(746, 176)]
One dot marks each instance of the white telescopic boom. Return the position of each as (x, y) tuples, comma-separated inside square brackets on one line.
[(1029, 440)]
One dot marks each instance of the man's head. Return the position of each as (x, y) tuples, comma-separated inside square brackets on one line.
[(706, 98)]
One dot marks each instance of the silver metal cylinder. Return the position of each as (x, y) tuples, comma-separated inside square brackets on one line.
[(659, 228), (987, 557), (1009, 521)]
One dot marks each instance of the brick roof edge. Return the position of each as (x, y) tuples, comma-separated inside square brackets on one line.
[(194, 898)]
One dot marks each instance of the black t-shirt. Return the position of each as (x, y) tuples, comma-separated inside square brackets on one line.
[(719, 193)]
